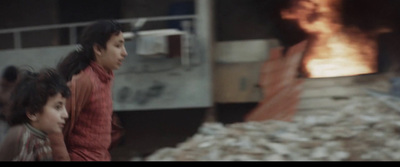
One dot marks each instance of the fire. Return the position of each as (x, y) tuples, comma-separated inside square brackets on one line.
[(334, 50)]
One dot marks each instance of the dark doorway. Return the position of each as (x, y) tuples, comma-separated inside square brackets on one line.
[(88, 10), (71, 11)]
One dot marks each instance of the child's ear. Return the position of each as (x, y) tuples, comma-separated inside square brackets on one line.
[(31, 116), (97, 50)]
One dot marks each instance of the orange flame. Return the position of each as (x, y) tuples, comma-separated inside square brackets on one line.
[(334, 50)]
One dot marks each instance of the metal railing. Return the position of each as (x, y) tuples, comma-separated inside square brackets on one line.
[(73, 27)]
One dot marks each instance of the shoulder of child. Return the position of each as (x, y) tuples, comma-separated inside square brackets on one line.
[(10, 146), (83, 79)]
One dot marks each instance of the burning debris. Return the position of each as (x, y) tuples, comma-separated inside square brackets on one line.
[(335, 49)]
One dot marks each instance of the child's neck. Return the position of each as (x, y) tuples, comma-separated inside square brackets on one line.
[(36, 131)]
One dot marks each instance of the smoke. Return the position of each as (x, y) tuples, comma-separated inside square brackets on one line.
[(287, 31), (370, 15)]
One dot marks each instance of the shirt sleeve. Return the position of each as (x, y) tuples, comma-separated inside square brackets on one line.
[(81, 89), (58, 147)]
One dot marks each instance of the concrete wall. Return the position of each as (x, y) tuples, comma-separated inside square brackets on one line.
[(34, 58)]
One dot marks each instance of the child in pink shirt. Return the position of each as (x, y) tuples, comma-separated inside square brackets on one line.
[(89, 70)]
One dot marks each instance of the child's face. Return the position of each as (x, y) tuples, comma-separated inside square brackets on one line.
[(112, 57), (53, 117)]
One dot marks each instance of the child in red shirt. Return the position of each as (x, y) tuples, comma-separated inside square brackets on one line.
[(89, 70)]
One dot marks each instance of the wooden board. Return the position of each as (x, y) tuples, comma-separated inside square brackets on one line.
[(325, 93)]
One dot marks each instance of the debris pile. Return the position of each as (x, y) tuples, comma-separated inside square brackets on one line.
[(365, 129)]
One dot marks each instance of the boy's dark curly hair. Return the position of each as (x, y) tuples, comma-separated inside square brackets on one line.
[(32, 92)]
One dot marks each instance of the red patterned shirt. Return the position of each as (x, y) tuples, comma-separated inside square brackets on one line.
[(90, 108), (25, 143)]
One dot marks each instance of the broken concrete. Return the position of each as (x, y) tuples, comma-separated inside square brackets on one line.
[(365, 129)]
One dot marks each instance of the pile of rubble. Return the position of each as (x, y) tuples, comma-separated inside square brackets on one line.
[(365, 129)]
